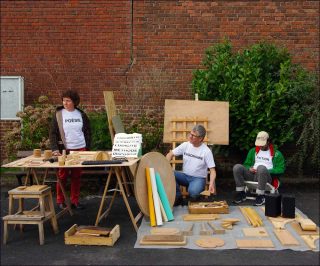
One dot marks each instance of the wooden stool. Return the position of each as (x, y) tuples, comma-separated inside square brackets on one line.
[(46, 209)]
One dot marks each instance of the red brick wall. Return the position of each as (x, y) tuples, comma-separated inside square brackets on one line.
[(87, 45)]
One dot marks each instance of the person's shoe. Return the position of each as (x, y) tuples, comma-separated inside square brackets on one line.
[(260, 200), (239, 197), (78, 206), (178, 201), (62, 206), (194, 199)]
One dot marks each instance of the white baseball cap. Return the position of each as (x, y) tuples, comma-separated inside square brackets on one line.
[(262, 138)]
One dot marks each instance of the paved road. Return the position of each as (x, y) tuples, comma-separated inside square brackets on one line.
[(23, 249)]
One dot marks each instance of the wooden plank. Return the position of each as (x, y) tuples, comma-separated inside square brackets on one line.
[(285, 237), (254, 243), (111, 110), (217, 114), (200, 217), (255, 232), (307, 224), (204, 230), (188, 231), (216, 230), (210, 242), (296, 226), (165, 231), (174, 240), (310, 240)]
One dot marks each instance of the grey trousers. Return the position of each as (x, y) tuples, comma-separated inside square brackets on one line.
[(262, 176)]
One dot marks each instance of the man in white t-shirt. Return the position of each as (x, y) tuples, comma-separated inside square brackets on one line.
[(197, 159)]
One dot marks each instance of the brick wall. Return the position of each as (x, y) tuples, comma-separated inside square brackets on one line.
[(145, 51)]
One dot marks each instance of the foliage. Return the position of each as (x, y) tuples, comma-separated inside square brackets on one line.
[(151, 128), (100, 135), (308, 143), (265, 91), (33, 130)]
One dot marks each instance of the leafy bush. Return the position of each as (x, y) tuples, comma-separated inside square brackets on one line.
[(33, 130), (100, 135), (265, 91), (151, 128), (308, 142)]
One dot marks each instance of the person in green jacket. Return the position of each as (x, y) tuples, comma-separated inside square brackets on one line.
[(261, 164)]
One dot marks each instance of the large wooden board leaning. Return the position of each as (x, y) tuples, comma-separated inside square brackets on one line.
[(216, 111), (161, 165)]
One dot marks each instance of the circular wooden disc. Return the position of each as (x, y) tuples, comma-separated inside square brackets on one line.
[(210, 242), (161, 165)]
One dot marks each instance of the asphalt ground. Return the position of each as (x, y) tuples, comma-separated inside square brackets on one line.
[(24, 249)]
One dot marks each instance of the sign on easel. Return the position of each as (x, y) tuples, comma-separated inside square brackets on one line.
[(127, 145)]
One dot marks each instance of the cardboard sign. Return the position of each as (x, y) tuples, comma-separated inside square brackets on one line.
[(127, 145)]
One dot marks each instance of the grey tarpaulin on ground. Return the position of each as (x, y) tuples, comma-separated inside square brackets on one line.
[(229, 237)]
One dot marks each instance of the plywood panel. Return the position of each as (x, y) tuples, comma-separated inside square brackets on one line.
[(217, 113), (111, 110)]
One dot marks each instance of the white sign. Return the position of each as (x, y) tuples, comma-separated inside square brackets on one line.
[(127, 145)]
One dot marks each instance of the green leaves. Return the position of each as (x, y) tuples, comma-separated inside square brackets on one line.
[(265, 90), (100, 135)]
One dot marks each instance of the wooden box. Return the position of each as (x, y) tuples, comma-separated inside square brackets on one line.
[(208, 207), (71, 236)]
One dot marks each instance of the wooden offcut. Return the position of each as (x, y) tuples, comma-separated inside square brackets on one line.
[(307, 224), (285, 237), (254, 243), (210, 242), (255, 232), (310, 240), (216, 230), (200, 217), (111, 111), (174, 240), (165, 231), (204, 230), (188, 230), (296, 226)]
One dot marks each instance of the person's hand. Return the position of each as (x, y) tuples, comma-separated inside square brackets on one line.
[(212, 188), (252, 170), (56, 153)]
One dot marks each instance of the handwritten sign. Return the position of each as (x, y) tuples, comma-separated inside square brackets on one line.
[(127, 145)]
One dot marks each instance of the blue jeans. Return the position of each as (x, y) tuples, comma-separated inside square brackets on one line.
[(194, 185)]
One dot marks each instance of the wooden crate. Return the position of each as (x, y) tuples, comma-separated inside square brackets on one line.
[(208, 207), (71, 238)]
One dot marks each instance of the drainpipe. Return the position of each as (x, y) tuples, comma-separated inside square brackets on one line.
[(132, 60)]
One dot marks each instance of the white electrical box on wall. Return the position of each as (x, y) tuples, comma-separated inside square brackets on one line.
[(12, 99)]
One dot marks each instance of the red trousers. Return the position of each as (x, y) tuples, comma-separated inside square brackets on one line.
[(75, 174)]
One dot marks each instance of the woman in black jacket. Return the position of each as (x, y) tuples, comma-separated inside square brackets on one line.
[(70, 131)]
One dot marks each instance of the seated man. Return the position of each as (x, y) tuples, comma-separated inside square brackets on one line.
[(261, 163), (197, 158)]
